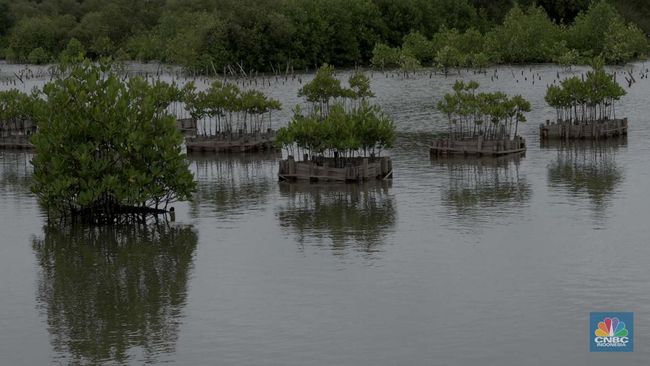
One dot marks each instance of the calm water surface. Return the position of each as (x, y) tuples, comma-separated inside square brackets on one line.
[(454, 262)]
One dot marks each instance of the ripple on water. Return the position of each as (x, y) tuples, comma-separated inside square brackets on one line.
[(373, 270)]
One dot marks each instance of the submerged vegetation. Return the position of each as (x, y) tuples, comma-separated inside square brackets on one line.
[(588, 99), (106, 147), (490, 115), (240, 36), (339, 122)]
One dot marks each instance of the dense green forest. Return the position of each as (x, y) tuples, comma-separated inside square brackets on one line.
[(265, 35)]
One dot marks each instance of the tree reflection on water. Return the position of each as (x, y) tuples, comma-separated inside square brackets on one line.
[(586, 169), (114, 294), (485, 186), (345, 214), (230, 184), (15, 172)]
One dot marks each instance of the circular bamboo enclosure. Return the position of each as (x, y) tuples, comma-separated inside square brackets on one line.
[(481, 124), (339, 136), (585, 107)]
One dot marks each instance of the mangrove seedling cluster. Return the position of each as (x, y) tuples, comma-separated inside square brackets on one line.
[(223, 109), (490, 115), (586, 99), (339, 121)]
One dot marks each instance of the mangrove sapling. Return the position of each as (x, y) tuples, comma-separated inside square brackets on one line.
[(364, 132), (490, 115), (339, 121), (322, 90), (586, 100), (230, 108), (359, 88), (194, 102)]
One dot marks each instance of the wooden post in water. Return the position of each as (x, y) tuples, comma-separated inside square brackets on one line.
[(291, 165), (364, 168)]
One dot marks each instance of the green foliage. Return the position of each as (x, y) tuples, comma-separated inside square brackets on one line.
[(323, 88), (587, 35), (623, 42), (105, 144), (232, 108), (491, 115), (561, 11), (424, 16), (360, 86), (363, 130), (350, 126), (38, 56), (409, 63), (384, 56), (636, 11), (448, 57), (526, 36), (6, 18), (15, 106), (479, 61), (601, 30), (10, 55), (48, 34), (468, 42), (276, 35), (419, 47), (567, 59), (73, 52), (588, 100)]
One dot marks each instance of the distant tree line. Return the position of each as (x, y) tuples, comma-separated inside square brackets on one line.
[(212, 36), (524, 36)]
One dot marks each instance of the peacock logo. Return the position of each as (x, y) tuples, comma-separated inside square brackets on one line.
[(611, 327), (611, 332)]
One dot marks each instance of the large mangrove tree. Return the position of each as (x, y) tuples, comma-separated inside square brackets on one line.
[(106, 147)]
